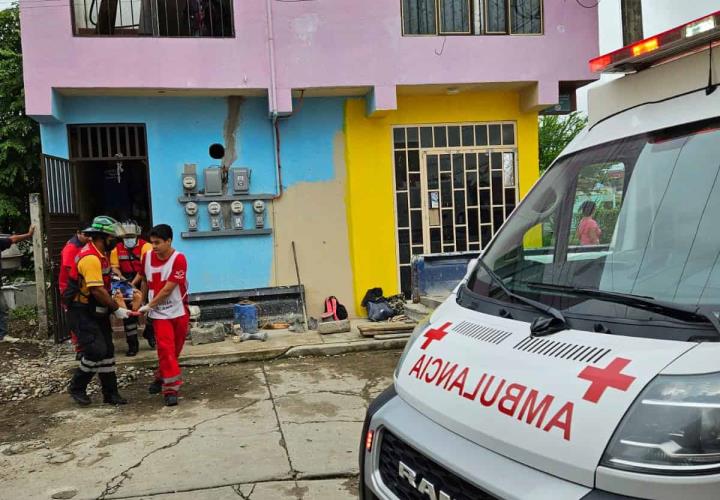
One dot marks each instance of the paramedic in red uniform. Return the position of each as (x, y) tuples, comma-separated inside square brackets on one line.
[(67, 262), (165, 285)]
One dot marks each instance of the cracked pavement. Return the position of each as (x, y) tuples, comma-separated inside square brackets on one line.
[(275, 430)]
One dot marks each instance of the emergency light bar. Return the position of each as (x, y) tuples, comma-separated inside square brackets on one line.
[(693, 35)]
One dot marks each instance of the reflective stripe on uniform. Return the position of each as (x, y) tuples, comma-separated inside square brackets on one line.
[(106, 369), (102, 362), (86, 369), (171, 379)]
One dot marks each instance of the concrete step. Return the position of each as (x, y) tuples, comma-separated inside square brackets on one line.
[(417, 312), (432, 301)]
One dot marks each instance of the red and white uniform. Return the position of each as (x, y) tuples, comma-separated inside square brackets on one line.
[(170, 317)]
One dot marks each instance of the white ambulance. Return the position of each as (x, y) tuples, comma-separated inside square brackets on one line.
[(579, 358)]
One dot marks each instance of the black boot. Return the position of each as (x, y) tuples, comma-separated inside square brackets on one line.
[(81, 398), (78, 387), (133, 346), (171, 400), (155, 387), (110, 392), (149, 334), (115, 399)]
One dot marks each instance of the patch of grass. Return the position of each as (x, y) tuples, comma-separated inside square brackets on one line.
[(25, 313)]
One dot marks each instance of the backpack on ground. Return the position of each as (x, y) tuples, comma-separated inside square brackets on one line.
[(334, 310), (377, 305)]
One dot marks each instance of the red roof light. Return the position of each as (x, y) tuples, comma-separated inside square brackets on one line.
[(600, 63), (690, 37)]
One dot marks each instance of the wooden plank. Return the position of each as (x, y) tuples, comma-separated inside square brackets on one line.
[(390, 336), (40, 265), (372, 329), (386, 326)]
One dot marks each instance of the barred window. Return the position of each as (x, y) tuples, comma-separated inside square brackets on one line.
[(472, 17), (525, 17), (455, 16), (419, 17)]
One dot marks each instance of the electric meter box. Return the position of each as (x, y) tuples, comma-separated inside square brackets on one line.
[(189, 178), (213, 181), (241, 180)]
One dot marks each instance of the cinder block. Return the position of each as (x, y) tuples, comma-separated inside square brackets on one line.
[(334, 326), (207, 334)]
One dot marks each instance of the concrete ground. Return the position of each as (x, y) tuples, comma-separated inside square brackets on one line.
[(263, 430), (280, 343)]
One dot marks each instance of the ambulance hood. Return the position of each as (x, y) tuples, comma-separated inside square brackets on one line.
[(551, 403)]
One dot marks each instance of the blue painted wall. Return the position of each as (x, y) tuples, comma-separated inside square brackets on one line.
[(179, 131)]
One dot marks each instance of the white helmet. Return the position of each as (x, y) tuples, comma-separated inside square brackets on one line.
[(131, 229)]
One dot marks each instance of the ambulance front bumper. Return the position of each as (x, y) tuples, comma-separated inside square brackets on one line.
[(414, 457)]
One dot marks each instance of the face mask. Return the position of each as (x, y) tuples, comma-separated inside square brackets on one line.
[(130, 242)]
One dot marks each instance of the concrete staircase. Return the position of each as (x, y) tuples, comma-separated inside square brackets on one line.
[(419, 311)]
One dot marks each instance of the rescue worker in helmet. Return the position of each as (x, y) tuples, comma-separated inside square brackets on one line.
[(90, 305), (126, 262)]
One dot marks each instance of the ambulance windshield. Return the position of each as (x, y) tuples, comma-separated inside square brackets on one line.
[(636, 216)]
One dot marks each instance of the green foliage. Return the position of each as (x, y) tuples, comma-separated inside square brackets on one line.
[(25, 313), (556, 132), (19, 135)]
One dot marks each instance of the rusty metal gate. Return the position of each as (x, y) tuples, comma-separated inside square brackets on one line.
[(61, 220)]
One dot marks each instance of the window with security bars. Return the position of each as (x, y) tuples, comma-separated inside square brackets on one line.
[(454, 187), (153, 18), (472, 17)]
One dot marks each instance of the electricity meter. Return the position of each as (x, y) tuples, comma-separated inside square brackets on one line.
[(236, 207), (191, 209), (214, 209), (259, 209), (189, 178)]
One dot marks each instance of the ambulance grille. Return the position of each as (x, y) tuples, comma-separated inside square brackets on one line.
[(482, 333), (561, 350), (393, 451)]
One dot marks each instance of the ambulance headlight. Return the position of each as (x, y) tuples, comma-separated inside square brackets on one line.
[(419, 330), (672, 428)]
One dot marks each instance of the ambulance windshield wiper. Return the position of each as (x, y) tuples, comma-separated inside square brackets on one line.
[(687, 314), (540, 327)]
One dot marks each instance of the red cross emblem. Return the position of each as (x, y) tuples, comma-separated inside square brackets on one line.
[(435, 334), (602, 378), (156, 283)]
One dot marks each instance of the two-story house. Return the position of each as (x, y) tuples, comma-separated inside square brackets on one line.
[(373, 129)]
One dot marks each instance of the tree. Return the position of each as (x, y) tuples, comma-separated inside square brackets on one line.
[(556, 132), (19, 135)]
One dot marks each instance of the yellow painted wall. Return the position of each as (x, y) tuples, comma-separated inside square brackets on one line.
[(371, 205)]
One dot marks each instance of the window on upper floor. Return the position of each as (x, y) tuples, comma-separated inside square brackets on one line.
[(153, 18), (472, 17)]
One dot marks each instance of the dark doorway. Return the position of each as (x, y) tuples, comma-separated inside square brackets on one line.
[(118, 189), (112, 172)]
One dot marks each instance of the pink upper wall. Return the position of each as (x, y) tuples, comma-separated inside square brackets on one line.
[(317, 43)]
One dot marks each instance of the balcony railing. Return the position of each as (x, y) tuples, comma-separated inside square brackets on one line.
[(153, 18)]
